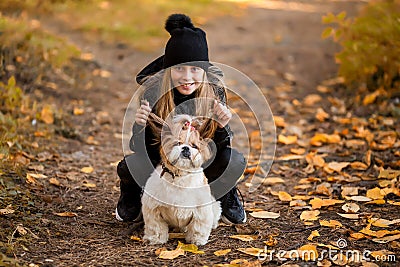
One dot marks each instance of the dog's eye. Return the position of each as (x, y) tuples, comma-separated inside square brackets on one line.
[(178, 143), (194, 146)]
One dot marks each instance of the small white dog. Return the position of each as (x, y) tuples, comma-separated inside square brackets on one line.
[(177, 193)]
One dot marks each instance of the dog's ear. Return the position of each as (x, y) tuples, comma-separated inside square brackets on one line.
[(157, 125), (203, 127)]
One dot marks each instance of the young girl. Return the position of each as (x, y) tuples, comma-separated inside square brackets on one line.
[(182, 81)]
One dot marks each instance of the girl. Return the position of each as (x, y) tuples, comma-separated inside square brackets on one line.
[(194, 81)]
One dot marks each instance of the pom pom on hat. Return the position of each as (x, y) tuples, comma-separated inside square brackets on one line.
[(178, 21)]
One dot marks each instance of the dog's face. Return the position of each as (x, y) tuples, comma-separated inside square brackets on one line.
[(182, 147)]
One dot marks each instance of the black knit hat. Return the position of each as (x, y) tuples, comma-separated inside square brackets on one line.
[(187, 44)]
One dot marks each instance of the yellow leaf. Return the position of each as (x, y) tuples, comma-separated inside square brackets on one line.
[(317, 203), (321, 138), (285, 197), (66, 214), (308, 252), (389, 174), (321, 115), (336, 166), (375, 193), (88, 185), (279, 121), (54, 181), (298, 151), (391, 202), (222, 252), (87, 169), (377, 202), (330, 223), (349, 191), (312, 99), (351, 216), (297, 203), (189, 248), (47, 115), (245, 237), (252, 251), (360, 198), (78, 111), (290, 157), (273, 180), (370, 98), (358, 165), (311, 215), (135, 238), (357, 235), (287, 140), (381, 233), (313, 234), (386, 239), (271, 242), (36, 175), (171, 254), (265, 215), (350, 207)]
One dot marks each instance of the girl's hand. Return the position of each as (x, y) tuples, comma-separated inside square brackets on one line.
[(142, 113), (222, 113)]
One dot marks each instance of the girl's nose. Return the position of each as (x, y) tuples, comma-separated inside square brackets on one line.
[(187, 75)]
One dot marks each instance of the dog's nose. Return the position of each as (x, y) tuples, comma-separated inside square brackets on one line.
[(185, 152)]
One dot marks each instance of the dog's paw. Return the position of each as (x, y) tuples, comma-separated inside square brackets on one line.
[(154, 240), (197, 241)]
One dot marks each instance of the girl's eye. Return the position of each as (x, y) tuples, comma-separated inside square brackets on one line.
[(178, 68), (195, 69)]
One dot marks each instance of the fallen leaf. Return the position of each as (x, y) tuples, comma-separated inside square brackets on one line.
[(309, 215), (376, 202), (330, 223), (312, 99), (245, 238), (351, 216), (252, 251), (273, 180), (357, 165), (285, 197), (375, 193), (335, 166), (7, 210), (360, 198), (349, 191), (313, 234), (381, 233), (66, 214), (176, 235), (171, 254), (46, 115), (389, 174), (54, 181), (189, 248), (271, 241), (320, 138), (350, 207), (317, 203), (308, 252), (78, 111), (279, 121), (386, 239), (297, 203), (265, 215), (135, 238), (287, 140), (87, 169), (321, 115), (36, 175), (222, 252), (357, 235), (379, 222), (298, 151)]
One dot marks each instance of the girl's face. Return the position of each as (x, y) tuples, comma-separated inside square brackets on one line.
[(186, 79)]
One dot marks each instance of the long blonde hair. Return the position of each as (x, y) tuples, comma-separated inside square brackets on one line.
[(166, 105)]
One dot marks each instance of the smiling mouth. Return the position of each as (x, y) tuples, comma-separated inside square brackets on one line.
[(187, 84)]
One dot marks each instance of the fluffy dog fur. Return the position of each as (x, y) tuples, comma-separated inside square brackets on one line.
[(177, 193)]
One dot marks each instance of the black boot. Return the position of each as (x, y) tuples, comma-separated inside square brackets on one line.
[(129, 203), (232, 208)]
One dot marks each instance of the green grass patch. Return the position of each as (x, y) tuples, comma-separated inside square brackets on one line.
[(138, 23)]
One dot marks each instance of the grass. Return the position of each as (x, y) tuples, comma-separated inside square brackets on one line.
[(137, 23)]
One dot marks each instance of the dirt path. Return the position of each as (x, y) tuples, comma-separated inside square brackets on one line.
[(273, 47)]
